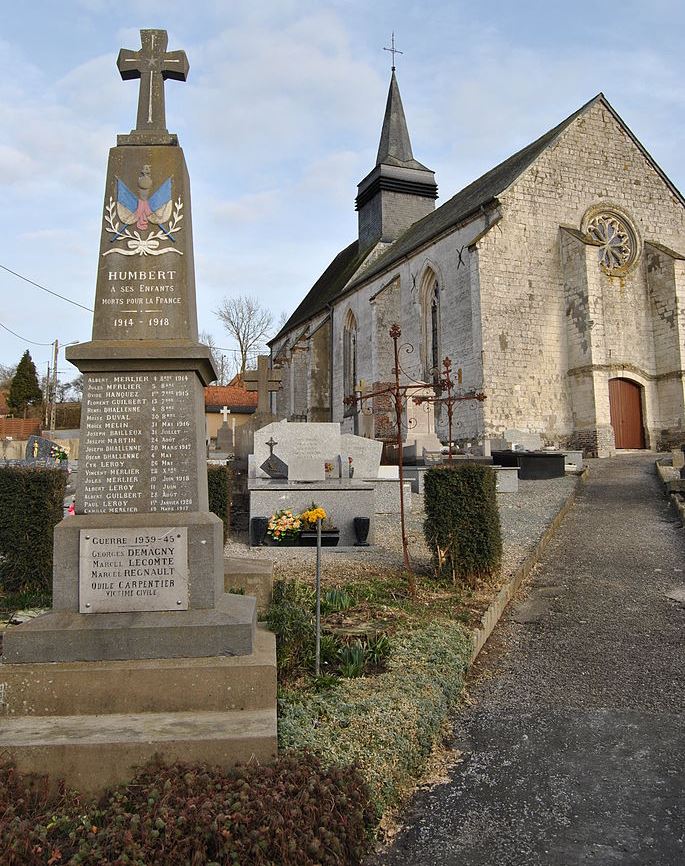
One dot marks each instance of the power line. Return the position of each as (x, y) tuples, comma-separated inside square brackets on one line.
[(49, 291), (25, 339)]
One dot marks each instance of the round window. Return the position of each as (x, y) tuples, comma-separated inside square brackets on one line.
[(616, 240)]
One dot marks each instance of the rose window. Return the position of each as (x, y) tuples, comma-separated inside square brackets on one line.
[(617, 243)]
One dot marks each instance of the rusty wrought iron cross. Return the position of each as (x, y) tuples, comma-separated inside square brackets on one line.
[(152, 64), (393, 50)]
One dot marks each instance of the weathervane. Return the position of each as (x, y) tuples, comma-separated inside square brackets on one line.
[(393, 50)]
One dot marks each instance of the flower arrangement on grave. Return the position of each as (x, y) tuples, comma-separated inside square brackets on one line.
[(58, 454), (284, 525), (312, 514)]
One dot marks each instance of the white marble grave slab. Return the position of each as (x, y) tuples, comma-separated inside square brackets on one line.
[(365, 454)]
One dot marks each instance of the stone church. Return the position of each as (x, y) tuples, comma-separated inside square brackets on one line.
[(556, 282)]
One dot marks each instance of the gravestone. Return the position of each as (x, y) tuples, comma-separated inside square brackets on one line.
[(224, 436), (45, 452), (143, 652), (419, 426), (138, 571)]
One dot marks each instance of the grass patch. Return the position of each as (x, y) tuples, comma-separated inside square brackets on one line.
[(385, 725), (25, 600)]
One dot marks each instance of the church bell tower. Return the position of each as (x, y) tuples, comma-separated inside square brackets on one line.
[(399, 190)]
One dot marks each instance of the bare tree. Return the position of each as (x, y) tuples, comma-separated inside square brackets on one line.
[(247, 322)]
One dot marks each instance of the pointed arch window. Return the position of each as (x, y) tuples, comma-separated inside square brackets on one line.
[(349, 357), (431, 327)]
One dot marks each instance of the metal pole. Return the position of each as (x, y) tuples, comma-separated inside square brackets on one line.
[(395, 333), (53, 406), (317, 668)]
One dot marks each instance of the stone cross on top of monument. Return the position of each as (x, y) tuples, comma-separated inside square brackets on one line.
[(152, 64), (263, 380)]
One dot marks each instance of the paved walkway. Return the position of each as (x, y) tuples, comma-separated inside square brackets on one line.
[(574, 750)]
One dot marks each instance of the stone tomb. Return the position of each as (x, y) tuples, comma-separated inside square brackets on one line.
[(140, 616), (306, 448)]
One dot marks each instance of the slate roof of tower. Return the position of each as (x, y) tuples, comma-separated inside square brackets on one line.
[(459, 209), (394, 147)]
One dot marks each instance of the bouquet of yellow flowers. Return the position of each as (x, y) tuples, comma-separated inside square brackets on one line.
[(312, 514), (283, 525)]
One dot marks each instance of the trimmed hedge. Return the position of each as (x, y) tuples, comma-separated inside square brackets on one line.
[(220, 485), (31, 505), (292, 813), (385, 725), (462, 527)]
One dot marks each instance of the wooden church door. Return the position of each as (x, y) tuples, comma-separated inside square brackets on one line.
[(625, 407)]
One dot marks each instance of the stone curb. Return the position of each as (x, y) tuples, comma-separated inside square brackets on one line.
[(665, 473), (497, 607)]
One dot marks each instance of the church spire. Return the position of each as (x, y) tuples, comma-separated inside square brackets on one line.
[(395, 146), (399, 190)]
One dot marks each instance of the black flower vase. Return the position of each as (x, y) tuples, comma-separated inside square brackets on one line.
[(361, 531), (258, 527)]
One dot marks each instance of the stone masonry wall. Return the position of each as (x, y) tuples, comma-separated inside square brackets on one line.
[(394, 297), (524, 309)]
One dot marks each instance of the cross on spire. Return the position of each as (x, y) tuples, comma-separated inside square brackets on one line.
[(393, 50), (152, 64)]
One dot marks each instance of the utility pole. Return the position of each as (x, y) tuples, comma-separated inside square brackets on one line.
[(46, 398), (53, 390)]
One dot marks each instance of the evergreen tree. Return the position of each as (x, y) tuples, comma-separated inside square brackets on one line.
[(24, 390)]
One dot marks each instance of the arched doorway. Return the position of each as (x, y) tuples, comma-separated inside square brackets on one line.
[(625, 407)]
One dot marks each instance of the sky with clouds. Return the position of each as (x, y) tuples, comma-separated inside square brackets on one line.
[(280, 119)]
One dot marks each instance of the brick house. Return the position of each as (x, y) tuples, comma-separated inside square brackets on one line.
[(556, 281)]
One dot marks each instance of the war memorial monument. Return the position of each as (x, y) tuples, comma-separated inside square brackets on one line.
[(143, 652)]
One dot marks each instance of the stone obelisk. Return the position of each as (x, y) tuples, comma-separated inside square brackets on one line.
[(138, 571)]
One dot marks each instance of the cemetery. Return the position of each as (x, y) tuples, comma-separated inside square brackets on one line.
[(178, 590)]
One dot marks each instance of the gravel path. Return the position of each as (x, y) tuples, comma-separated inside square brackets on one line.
[(573, 747), (524, 517)]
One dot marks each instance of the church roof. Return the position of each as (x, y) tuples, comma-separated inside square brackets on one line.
[(462, 207), (466, 204), (395, 147), (329, 285)]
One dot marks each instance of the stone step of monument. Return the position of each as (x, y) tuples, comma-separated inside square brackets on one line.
[(66, 636), (143, 685), (94, 752), (253, 576)]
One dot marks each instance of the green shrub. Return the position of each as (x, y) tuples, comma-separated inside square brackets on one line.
[(462, 527), (220, 485), (385, 725), (31, 505), (291, 616), (291, 813)]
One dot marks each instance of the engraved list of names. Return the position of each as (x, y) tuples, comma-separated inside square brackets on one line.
[(139, 440)]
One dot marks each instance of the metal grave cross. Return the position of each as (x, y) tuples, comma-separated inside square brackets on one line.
[(263, 380), (152, 64), (271, 445), (225, 412)]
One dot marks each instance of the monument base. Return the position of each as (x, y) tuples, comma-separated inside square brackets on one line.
[(75, 721), (65, 636)]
